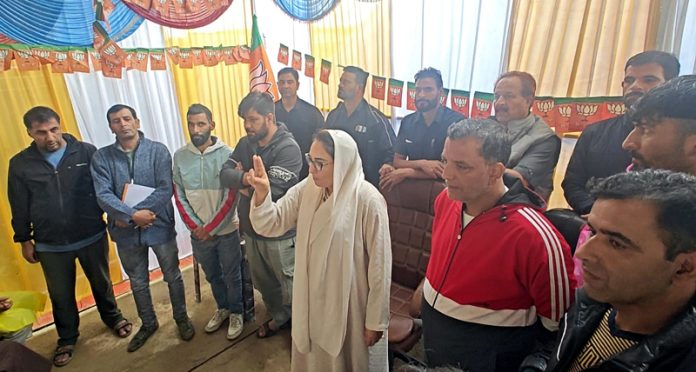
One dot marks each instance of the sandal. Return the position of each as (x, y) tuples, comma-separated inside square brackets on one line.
[(63, 355), (123, 328), (268, 332)]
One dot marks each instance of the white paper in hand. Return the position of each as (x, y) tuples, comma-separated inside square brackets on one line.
[(134, 193)]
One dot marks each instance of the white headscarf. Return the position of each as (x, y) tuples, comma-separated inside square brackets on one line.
[(329, 232)]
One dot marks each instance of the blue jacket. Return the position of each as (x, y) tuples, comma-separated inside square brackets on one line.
[(152, 167)]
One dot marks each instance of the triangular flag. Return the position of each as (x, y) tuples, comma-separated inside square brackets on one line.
[(260, 74)]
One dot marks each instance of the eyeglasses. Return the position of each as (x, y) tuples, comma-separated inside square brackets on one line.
[(318, 165)]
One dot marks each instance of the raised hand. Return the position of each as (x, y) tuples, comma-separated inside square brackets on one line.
[(258, 179)]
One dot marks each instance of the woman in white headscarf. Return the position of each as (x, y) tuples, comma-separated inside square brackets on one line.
[(340, 301)]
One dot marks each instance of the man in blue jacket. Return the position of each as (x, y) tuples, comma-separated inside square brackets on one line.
[(135, 161)]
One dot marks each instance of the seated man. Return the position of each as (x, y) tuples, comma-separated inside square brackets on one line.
[(20, 335), (535, 147), (422, 134), (598, 152), (499, 272), (631, 319)]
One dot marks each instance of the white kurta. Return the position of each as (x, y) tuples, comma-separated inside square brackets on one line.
[(335, 342)]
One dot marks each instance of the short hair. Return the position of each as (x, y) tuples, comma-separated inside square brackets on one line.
[(261, 102), (117, 108), (39, 114), (674, 195), (670, 63), (198, 108), (674, 99), (495, 142), (324, 137), (528, 82), (432, 73), (289, 70), (360, 74)]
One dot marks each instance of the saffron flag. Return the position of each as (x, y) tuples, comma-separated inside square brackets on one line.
[(260, 75)]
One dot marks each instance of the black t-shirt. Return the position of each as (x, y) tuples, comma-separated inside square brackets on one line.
[(303, 121), (417, 141)]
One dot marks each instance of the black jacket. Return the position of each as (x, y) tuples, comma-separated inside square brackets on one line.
[(597, 154), (672, 349), (54, 206), (372, 133), (283, 162)]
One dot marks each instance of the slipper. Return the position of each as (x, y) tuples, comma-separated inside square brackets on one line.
[(63, 355), (123, 328), (268, 332)]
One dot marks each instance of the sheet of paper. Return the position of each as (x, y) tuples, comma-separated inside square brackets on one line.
[(134, 193)]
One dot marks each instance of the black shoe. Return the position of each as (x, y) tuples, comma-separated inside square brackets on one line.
[(139, 339), (186, 330)]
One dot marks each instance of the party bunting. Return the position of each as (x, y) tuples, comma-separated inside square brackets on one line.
[(379, 86), (411, 96), (325, 71), (309, 66), (283, 54), (296, 60), (460, 102), (396, 88)]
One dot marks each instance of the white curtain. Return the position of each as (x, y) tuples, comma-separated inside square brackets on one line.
[(464, 39), (151, 94)]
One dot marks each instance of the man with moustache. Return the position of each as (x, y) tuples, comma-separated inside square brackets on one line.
[(535, 146), (422, 135), (56, 220), (302, 119), (209, 210), (135, 160), (664, 133), (637, 308), (365, 123), (598, 152), (272, 260)]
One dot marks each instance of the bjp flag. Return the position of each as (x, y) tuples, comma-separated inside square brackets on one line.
[(260, 74)]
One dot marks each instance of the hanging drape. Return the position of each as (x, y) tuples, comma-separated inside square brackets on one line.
[(22, 91), (190, 19), (578, 48), (65, 22), (354, 33), (306, 10), (469, 53)]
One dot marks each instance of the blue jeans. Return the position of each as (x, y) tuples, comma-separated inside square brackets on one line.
[(221, 259), (134, 260)]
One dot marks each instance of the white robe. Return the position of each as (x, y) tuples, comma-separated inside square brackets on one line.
[(342, 267)]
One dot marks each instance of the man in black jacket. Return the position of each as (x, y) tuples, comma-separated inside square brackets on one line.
[(629, 319), (598, 151), (369, 128), (272, 260), (56, 219)]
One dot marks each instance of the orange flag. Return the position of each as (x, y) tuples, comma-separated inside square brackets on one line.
[(260, 74)]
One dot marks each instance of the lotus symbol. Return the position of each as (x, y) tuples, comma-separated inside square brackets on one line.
[(565, 111), (23, 54), (379, 83), (412, 94), (3, 53), (110, 50), (61, 56), (394, 91), (545, 106), (483, 105), (184, 55), (41, 53), (141, 56), (284, 53), (460, 101), (80, 57), (156, 57), (586, 109), (196, 53), (616, 108), (96, 55), (258, 81), (324, 70)]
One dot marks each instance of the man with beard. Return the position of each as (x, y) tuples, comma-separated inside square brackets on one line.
[(598, 152), (209, 210), (422, 134), (272, 260), (664, 133), (365, 123), (137, 162), (302, 118), (535, 147)]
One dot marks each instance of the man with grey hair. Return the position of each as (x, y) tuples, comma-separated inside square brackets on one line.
[(499, 275)]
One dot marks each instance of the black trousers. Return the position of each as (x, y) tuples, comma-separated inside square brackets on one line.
[(60, 271)]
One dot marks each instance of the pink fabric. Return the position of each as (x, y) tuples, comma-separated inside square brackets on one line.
[(186, 20), (584, 236)]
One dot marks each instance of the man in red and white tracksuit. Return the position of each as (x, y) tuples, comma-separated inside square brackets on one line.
[(500, 275)]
